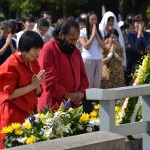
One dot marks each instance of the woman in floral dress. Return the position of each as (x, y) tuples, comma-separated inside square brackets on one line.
[(113, 73)]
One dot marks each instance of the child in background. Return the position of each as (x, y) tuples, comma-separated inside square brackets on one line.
[(112, 73)]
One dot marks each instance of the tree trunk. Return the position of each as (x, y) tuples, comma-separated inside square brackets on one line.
[(64, 7)]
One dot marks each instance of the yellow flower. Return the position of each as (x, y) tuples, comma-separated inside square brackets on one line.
[(96, 106), (117, 109), (16, 126), (41, 116), (93, 114), (142, 70), (84, 118), (27, 125), (18, 132), (30, 140), (44, 116), (7, 129)]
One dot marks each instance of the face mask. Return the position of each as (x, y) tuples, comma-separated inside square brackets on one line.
[(66, 48)]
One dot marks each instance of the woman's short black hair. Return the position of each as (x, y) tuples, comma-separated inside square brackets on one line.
[(28, 40)]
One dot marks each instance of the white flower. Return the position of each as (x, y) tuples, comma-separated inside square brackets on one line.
[(40, 133), (37, 116), (67, 115), (9, 144), (140, 72), (94, 122), (47, 131), (97, 122), (21, 139), (57, 114), (68, 128), (89, 129), (70, 109), (91, 122), (80, 127), (63, 113), (48, 120), (27, 121)]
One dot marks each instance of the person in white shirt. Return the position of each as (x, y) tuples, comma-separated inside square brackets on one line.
[(46, 15), (81, 23), (91, 41), (28, 24), (42, 28)]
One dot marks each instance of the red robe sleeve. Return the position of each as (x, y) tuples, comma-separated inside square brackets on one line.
[(8, 81), (51, 85)]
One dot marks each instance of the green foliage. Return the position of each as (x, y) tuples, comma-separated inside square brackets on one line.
[(147, 79), (142, 75), (72, 7), (129, 110), (139, 114), (24, 6), (148, 12)]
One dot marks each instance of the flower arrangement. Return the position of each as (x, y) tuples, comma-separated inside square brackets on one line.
[(142, 73), (50, 124), (142, 76)]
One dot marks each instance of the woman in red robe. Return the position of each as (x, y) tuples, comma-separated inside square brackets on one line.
[(20, 79)]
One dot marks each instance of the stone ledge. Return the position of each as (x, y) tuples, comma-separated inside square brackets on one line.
[(135, 144), (99, 140)]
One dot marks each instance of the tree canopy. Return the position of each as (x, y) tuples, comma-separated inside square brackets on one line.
[(65, 8)]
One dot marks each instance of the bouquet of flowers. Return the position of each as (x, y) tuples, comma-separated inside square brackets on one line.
[(50, 124), (142, 76), (142, 73)]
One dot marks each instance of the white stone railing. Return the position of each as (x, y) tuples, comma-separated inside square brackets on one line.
[(107, 99)]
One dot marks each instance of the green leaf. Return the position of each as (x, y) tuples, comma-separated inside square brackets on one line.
[(147, 78)]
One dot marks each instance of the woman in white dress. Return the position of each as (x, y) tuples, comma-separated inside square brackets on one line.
[(92, 42)]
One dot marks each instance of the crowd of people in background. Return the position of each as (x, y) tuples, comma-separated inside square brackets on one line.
[(55, 63), (133, 38)]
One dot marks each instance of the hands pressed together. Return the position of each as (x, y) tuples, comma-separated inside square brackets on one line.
[(76, 98), (9, 39), (140, 30), (37, 79)]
